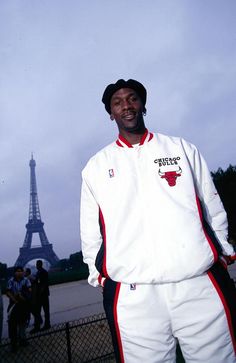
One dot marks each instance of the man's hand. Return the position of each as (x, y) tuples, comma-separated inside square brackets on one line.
[(228, 260)]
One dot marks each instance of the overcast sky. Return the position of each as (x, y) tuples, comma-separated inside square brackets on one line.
[(56, 58)]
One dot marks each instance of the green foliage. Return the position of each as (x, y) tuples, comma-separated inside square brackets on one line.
[(62, 265), (59, 277), (69, 269), (75, 262), (3, 270), (225, 182), (3, 276)]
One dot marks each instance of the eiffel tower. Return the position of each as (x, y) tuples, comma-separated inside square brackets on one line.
[(35, 225)]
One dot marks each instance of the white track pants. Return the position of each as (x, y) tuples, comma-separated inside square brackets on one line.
[(146, 320)]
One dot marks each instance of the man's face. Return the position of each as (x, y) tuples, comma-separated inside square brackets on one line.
[(19, 274), (127, 109)]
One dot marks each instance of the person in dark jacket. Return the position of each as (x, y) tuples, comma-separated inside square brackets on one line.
[(42, 298), (1, 314)]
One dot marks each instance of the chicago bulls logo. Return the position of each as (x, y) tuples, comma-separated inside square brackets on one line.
[(170, 176)]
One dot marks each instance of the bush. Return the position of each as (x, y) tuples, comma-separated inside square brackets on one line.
[(59, 277)]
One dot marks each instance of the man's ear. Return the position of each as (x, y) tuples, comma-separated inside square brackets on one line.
[(111, 117)]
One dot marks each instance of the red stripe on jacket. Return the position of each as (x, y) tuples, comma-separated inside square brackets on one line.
[(101, 218), (214, 251)]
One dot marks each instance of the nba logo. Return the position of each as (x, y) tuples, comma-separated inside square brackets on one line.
[(132, 286), (111, 173)]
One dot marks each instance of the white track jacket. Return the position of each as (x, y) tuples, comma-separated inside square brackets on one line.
[(150, 213)]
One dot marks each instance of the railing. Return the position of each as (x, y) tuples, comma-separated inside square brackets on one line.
[(86, 340), (82, 341)]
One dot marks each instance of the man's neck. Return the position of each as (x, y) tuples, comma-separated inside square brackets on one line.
[(18, 279), (133, 137)]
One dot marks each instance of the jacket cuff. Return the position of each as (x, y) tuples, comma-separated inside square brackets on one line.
[(230, 259)]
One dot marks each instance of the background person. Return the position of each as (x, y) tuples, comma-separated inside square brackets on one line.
[(32, 302), (18, 291), (154, 235), (1, 314), (42, 298), (29, 275)]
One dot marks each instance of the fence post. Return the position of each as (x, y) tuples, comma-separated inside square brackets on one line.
[(68, 342)]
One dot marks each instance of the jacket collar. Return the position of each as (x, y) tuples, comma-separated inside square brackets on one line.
[(122, 142)]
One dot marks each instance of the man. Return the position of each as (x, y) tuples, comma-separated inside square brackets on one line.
[(154, 235), (1, 313), (18, 290), (41, 298)]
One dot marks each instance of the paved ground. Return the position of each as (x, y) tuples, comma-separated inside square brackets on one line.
[(232, 271), (75, 300)]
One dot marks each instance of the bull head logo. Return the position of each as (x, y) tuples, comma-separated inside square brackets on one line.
[(170, 176)]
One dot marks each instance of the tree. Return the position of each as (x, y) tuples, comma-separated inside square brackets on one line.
[(225, 182), (76, 260), (62, 265), (3, 270)]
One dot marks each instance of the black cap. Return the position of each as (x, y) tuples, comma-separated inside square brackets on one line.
[(121, 83)]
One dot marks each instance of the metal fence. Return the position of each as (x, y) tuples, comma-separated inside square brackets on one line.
[(82, 341)]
